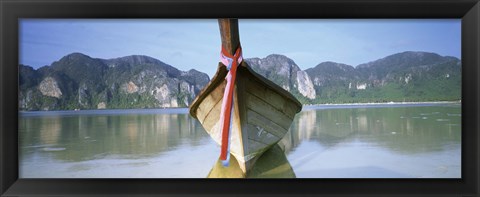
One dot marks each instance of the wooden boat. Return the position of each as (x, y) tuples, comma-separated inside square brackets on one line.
[(262, 111)]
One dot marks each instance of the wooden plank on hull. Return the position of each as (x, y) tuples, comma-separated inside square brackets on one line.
[(261, 135), (270, 85), (255, 147), (205, 109), (256, 120), (266, 110), (276, 100), (211, 99), (241, 106), (237, 121), (213, 116)]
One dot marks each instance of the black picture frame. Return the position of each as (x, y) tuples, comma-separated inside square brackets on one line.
[(12, 10)]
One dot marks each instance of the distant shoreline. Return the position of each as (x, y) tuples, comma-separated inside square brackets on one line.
[(173, 110), (185, 109), (386, 103), (370, 105)]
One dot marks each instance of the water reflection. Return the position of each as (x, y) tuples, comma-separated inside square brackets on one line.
[(327, 142), (272, 164), (81, 138), (400, 129)]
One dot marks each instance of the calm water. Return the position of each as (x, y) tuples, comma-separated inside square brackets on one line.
[(375, 141)]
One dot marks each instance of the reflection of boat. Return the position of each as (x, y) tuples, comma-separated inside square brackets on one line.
[(272, 164), (262, 111)]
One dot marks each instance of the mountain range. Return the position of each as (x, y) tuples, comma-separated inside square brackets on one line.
[(407, 76), (78, 81)]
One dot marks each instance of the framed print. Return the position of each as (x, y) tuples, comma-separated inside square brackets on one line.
[(239, 98)]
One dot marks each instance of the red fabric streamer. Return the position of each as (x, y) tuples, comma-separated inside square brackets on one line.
[(231, 62)]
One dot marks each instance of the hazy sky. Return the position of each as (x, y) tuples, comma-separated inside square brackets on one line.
[(195, 43)]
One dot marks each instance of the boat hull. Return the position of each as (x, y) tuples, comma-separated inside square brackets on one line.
[(262, 113)]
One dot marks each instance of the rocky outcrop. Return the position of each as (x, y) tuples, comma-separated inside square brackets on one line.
[(101, 105), (162, 95), (305, 85), (49, 87), (361, 86), (130, 87), (83, 95), (284, 72)]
